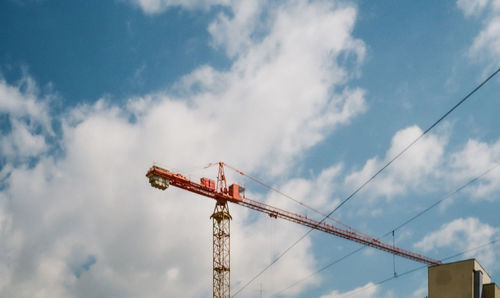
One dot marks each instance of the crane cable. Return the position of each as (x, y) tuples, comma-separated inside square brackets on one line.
[(291, 198), (449, 195), (375, 175)]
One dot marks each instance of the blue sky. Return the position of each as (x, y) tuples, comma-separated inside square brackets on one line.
[(310, 96)]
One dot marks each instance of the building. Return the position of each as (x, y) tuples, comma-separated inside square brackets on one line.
[(462, 279)]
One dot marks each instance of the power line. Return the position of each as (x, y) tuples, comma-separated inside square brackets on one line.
[(414, 141), (449, 195), (384, 281), (272, 263), (473, 249), (374, 175), (492, 242), (321, 269), (475, 179)]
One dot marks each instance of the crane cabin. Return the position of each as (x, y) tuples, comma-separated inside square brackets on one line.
[(237, 192)]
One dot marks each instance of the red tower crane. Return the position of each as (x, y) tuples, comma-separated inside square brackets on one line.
[(161, 178)]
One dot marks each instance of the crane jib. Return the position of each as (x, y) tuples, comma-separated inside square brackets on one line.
[(161, 178)]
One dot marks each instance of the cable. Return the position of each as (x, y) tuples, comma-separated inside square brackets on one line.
[(470, 182), (448, 196), (375, 175), (383, 281), (290, 198), (425, 266), (272, 263), (320, 270), (472, 249), (414, 141)]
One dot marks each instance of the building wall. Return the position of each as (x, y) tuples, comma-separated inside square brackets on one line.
[(454, 280), (491, 291), (478, 267)]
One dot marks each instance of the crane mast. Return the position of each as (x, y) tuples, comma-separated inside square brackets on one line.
[(221, 220), (161, 178)]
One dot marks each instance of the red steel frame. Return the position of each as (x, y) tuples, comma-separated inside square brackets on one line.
[(221, 195)]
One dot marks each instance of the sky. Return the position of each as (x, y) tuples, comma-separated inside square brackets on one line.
[(311, 97)]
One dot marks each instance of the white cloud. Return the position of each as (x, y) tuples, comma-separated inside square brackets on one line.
[(367, 291), (412, 170), (488, 40), (172, 274), (486, 45), (292, 70), (315, 192), (463, 234), (28, 117), (235, 33), (157, 6), (283, 94), (475, 158), (420, 292), (22, 100), (472, 7), (22, 143), (425, 168)]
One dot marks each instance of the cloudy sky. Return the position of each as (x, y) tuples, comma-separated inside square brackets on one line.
[(312, 97)]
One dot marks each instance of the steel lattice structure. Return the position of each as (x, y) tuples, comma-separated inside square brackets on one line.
[(161, 178), (221, 250)]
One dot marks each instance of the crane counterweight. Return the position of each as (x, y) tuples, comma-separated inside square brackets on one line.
[(159, 182)]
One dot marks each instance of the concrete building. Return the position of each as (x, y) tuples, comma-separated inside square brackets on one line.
[(463, 279)]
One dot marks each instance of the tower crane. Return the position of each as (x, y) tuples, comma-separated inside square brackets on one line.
[(222, 194)]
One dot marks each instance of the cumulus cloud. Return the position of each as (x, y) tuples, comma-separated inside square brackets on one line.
[(316, 192), (291, 70), (28, 119), (85, 223), (472, 7), (425, 168), (472, 161), (21, 142), (158, 6), (420, 292), (463, 234), (235, 33), (486, 44), (367, 291), (410, 171), (488, 40), (22, 100)]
